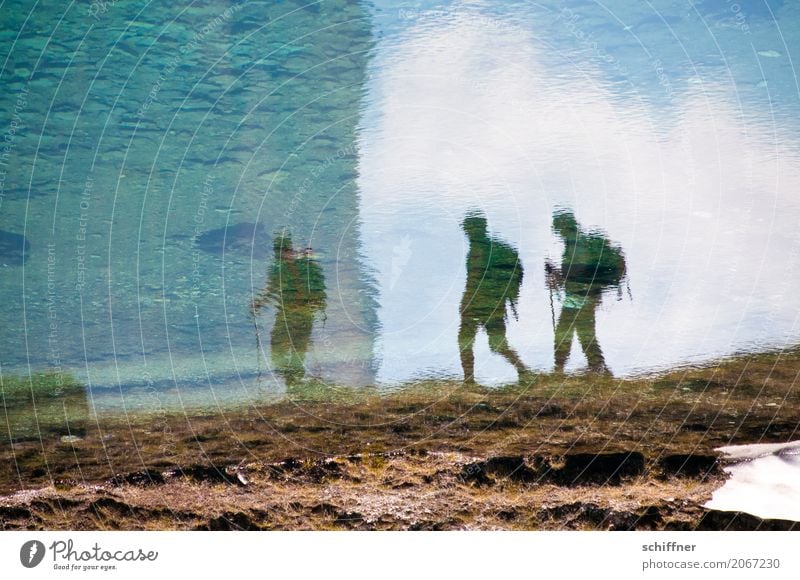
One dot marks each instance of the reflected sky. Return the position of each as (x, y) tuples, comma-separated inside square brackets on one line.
[(659, 144)]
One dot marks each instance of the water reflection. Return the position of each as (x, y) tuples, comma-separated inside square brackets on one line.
[(296, 288), (517, 110), (42, 407), (494, 279), (139, 271), (371, 137), (590, 266)]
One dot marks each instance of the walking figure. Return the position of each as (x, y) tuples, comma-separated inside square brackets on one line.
[(494, 278), (296, 288), (590, 266)]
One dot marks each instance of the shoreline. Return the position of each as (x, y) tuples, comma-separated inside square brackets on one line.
[(559, 452)]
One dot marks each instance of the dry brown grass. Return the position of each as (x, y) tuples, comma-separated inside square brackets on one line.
[(400, 456)]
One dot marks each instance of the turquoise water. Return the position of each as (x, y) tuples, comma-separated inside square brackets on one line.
[(153, 155)]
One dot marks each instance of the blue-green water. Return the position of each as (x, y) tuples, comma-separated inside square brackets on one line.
[(153, 154)]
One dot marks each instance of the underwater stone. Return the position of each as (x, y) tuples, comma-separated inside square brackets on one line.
[(13, 248), (242, 238)]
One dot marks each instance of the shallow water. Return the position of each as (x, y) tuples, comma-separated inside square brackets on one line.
[(153, 156)]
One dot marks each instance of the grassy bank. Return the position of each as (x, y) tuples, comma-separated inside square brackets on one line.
[(551, 452)]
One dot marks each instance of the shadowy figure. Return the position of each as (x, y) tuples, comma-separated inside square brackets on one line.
[(296, 287), (44, 406), (590, 266), (494, 277)]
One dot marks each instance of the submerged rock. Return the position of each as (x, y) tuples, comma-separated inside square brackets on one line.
[(244, 238), (13, 248)]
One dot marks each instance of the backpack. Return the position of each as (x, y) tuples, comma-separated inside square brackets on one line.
[(592, 259)]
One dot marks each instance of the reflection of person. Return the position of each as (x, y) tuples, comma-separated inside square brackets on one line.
[(45, 405), (296, 287), (494, 277), (590, 266)]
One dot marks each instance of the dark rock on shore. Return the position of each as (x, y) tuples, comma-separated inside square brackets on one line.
[(229, 522), (206, 473), (570, 470), (495, 468), (599, 468), (689, 465), (742, 522), (139, 478)]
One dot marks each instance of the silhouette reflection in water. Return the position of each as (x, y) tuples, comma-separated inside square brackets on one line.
[(494, 278), (296, 288), (43, 406), (590, 266)]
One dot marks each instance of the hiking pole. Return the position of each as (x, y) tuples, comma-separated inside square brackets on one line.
[(258, 345), (548, 270)]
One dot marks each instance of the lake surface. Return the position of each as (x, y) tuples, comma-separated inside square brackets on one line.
[(224, 202)]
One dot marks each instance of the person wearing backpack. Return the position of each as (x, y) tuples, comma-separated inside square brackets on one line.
[(296, 289), (590, 266), (494, 278)]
